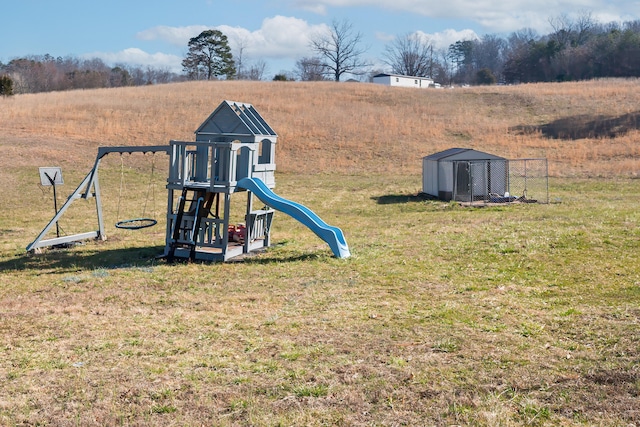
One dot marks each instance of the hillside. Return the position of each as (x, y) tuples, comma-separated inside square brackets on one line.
[(519, 314), (584, 129)]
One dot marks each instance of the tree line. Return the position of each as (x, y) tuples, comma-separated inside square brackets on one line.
[(45, 73), (576, 49), (580, 49)]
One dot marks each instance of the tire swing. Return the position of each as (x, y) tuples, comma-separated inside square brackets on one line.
[(143, 221)]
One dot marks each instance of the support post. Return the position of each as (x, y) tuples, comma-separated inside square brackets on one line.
[(247, 231), (52, 181)]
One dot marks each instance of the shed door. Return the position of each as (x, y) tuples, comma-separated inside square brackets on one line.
[(462, 185), (479, 180)]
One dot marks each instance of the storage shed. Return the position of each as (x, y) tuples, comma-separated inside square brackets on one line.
[(464, 175)]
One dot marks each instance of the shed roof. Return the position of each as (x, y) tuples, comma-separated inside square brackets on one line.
[(401, 75), (453, 154), (235, 118)]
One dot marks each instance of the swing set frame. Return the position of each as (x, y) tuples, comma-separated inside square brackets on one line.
[(88, 188)]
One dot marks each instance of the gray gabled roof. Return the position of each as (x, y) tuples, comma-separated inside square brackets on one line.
[(453, 154), (235, 118)]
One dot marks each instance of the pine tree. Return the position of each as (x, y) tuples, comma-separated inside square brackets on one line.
[(209, 56)]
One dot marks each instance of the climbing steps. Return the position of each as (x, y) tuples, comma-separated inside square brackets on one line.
[(186, 227)]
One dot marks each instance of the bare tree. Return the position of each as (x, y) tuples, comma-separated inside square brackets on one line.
[(43, 73), (633, 26), (488, 53), (240, 43), (562, 29), (340, 50), (257, 70), (137, 75), (521, 39), (310, 69), (410, 55), (567, 32), (585, 26), (446, 68), (246, 69)]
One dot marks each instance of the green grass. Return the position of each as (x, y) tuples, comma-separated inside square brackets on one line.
[(444, 315)]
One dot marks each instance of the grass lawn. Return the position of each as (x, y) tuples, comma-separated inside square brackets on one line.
[(511, 315)]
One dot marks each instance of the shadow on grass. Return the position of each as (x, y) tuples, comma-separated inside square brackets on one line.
[(69, 260), (391, 199), (267, 259), (72, 260), (585, 126), (277, 253)]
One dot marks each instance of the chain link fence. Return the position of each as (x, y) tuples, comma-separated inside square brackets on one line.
[(501, 181), (529, 180)]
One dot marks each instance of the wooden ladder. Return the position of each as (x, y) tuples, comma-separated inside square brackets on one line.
[(199, 203)]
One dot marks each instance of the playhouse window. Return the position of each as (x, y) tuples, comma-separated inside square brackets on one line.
[(264, 152)]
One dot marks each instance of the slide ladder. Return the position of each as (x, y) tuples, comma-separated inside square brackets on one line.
[(332, 235), (185, 234)]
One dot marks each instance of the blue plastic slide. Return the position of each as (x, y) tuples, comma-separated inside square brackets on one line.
[(332, 235)]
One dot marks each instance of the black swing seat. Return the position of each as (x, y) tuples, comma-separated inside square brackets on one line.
[(136, 223)]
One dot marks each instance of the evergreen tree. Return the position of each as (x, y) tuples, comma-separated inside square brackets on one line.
[(209, 56), (6, 86)]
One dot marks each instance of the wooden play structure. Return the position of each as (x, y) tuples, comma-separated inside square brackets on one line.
[(233, 143), (233, 153)]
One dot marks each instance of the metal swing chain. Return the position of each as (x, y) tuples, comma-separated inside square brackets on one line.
[(151, 188), (136, 223), (121, 186)]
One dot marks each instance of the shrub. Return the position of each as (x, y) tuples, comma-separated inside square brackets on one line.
[(6, 86), (485, 77)]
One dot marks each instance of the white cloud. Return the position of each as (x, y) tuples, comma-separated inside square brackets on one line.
[(177, 36), (439, 40), (138, 57), (492, 15), (385, 37), (279, 37), (311, 6), (443, 39)]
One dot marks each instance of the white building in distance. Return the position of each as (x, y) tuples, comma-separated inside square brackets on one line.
[(404, 81)]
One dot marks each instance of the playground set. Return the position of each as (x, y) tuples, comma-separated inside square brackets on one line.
[(233, 153)]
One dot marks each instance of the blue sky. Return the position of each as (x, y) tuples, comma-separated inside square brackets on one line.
[(155, 33)]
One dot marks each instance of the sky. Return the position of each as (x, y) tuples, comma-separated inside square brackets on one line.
[(156, 33)]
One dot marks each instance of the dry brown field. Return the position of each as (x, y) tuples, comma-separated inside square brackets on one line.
[(444, 315), (583, 129)]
